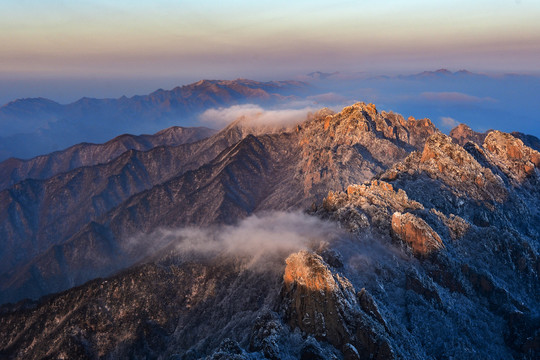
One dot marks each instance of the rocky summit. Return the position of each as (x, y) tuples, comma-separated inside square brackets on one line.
[(351, 235)]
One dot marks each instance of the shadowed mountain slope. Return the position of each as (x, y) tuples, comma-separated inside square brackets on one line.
[(45, 166)]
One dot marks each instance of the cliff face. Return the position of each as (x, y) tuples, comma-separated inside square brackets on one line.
[(470, 215), (326, 305), (416, 233), (439, 258), (356, 143)]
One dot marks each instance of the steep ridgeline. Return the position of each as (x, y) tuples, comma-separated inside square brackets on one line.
[(45, 166), (37, 214), (441, 259), (43, 125), (287, 169), (462, 134), (471, 215)]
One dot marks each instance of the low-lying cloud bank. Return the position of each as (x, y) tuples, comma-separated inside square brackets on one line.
[(255, 115), (260, 239)]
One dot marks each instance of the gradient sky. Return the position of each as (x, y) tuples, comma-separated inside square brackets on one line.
[(264, 39)]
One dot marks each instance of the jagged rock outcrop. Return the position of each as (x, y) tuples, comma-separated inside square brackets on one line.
[(476, 211), (515, 159), (357, 142), (368, 205), (462, 134), (444, 166), (456, 225), (459, 170), (529, 140), (325, 305), (378, 206), (416, 233)]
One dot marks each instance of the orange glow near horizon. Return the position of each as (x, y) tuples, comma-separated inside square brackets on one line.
[(137, 38)]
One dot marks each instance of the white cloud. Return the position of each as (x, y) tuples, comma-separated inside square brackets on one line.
[(255, 115), (448, 122), (263, 240)]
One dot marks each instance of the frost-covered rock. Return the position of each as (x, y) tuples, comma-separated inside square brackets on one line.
[(416, 233), (324, 304)]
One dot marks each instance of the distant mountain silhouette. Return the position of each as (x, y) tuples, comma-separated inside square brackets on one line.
[(43, 125)]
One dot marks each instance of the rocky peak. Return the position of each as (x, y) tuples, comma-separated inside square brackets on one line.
[(367, 204), (312, 295), (419, 130), (376, 192), (309, 270), (458, 169), (439, 148), (356, 143), (462, 134), (417, 233), (325, 304), (515, 159), (346, 126)]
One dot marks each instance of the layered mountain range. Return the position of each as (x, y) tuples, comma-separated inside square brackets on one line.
[(357, 234), (44, 125)]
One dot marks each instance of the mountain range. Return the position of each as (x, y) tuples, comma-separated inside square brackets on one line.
[(349, 235), (35, 126), (43, 125)]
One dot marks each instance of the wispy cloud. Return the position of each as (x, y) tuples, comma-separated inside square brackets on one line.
[(264, 239), (448, 122), (255, 115)]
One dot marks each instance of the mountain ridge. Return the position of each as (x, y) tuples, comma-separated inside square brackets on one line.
[(86, 154), (97, 120)]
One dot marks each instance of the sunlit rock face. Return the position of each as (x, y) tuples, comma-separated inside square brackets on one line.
[(417, 233), (462, 134), (515, 159), (357, 142), (443, 159), (325, 304), (369, 205)]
